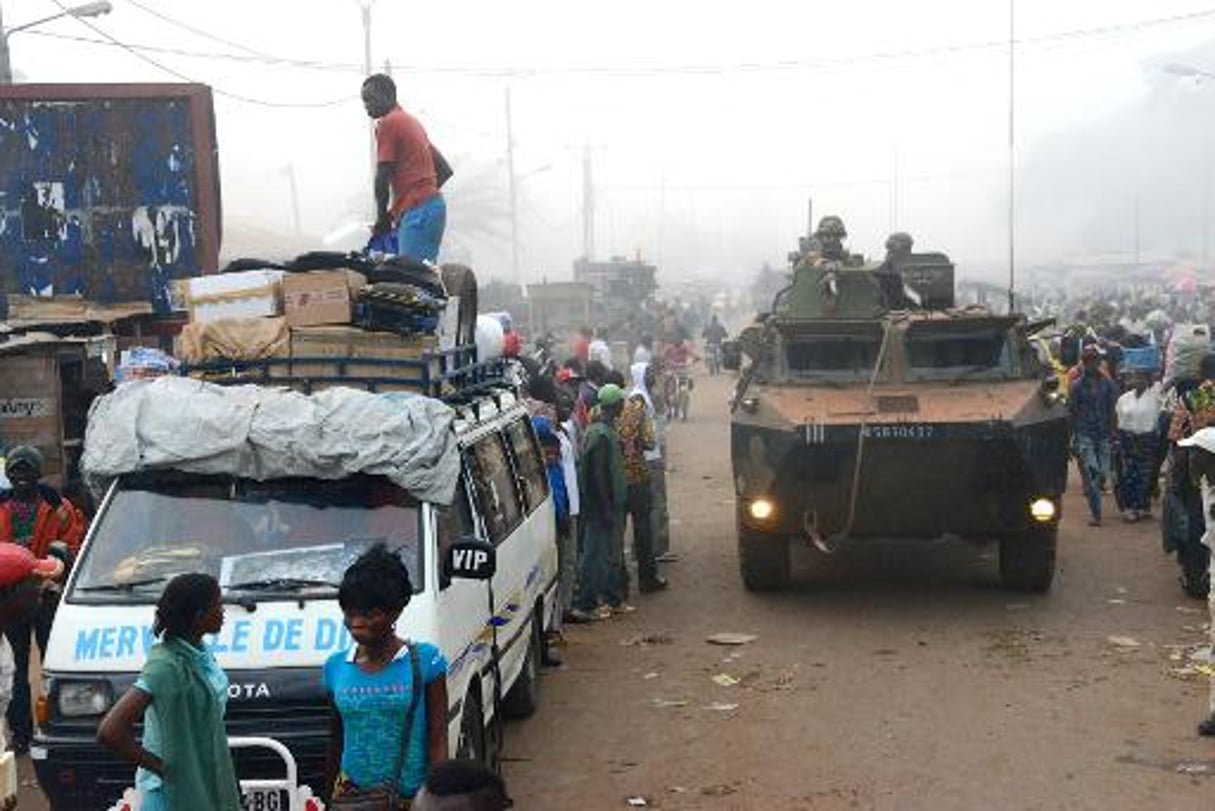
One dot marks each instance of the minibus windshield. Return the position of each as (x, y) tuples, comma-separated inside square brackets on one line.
[(261, 540)]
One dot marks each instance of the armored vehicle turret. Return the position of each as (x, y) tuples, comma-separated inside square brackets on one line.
[(869, 406)]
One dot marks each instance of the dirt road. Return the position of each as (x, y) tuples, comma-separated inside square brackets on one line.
[(901, 678)]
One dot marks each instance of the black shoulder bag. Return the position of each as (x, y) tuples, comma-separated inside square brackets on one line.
[(443, 170), (387, 797)]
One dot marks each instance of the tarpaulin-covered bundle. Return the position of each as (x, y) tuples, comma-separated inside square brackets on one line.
[(261, 433), (1187, 346)]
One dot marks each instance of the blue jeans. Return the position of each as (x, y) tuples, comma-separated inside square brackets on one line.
[(420, 229), (1093, 455)]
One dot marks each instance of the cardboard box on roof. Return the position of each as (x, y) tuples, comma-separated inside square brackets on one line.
[(248, 294), (320, 297), (237, 339), (333, 351)]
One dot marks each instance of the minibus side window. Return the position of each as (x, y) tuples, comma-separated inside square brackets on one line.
[(497, 500), (454, 522), (529, 464)]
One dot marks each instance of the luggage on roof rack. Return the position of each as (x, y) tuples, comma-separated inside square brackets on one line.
[(327, 357)]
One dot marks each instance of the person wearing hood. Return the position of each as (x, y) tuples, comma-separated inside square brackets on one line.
[(638, 440), (35, 516)]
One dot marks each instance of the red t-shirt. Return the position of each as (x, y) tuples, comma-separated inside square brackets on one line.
[(401, 141), (582, 349), (512, 344)]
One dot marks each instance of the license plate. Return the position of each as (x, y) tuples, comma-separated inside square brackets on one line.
[(263, 799)]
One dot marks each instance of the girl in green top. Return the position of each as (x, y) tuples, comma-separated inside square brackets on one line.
[(184, 761)]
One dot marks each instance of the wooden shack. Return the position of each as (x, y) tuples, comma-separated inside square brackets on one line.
[(47, 384)]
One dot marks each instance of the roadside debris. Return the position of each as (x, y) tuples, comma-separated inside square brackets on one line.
[(638, 802), (1195, 767), (1191, 662), (719, 706), (731, 639), (1123, 641), (725, 680), (647, 640), (664, 703)]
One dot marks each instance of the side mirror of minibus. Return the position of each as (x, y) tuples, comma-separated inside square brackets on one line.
[(471, 558)]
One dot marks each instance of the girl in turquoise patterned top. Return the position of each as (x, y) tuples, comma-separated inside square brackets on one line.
[(370, 687)]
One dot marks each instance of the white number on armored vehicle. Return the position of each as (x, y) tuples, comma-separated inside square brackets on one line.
[(908, 431)]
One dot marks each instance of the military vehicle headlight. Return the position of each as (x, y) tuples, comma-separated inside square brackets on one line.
[(80, 698), (1043, 510), (762, 509), (749, 404), (1051, 395)]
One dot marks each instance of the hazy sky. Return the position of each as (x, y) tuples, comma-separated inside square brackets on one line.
[(710, 123)]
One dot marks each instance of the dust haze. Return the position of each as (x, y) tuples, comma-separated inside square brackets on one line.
[(705, 129)]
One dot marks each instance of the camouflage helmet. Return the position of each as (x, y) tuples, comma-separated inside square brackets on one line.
[(899, 242), (831, 226)]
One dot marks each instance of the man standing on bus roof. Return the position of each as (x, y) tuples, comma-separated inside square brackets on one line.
[(409, 172)]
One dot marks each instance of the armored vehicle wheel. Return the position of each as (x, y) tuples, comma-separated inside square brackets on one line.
[(1027, 559), (763, 560)]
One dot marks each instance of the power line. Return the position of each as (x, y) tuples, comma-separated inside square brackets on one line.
[(267, 59), (825, 64), (508, 71), (198, 31), (958, 177), (185, 78)]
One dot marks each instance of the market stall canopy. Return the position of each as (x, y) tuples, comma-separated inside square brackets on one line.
[(261, 433)]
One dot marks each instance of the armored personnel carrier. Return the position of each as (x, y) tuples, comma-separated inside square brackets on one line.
[(869, 406)]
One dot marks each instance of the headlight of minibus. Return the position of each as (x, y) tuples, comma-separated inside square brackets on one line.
[(81, 698)]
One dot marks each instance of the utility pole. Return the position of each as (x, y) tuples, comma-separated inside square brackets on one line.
[(6, 65), (662, 214), (295, 200), (894, 193), (365, 11), (1012, 180), (588, 206), (513, 190), (1136, 232)]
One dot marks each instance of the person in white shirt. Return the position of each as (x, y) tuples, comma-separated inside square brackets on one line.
[(644, 353), (599, 349), (1138, 413), (567, 552)]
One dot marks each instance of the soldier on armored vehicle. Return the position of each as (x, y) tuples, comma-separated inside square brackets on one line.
[(860, 417)]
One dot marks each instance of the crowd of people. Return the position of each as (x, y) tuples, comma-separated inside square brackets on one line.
[(604, 436), (1127, 418), (1141, 401)]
